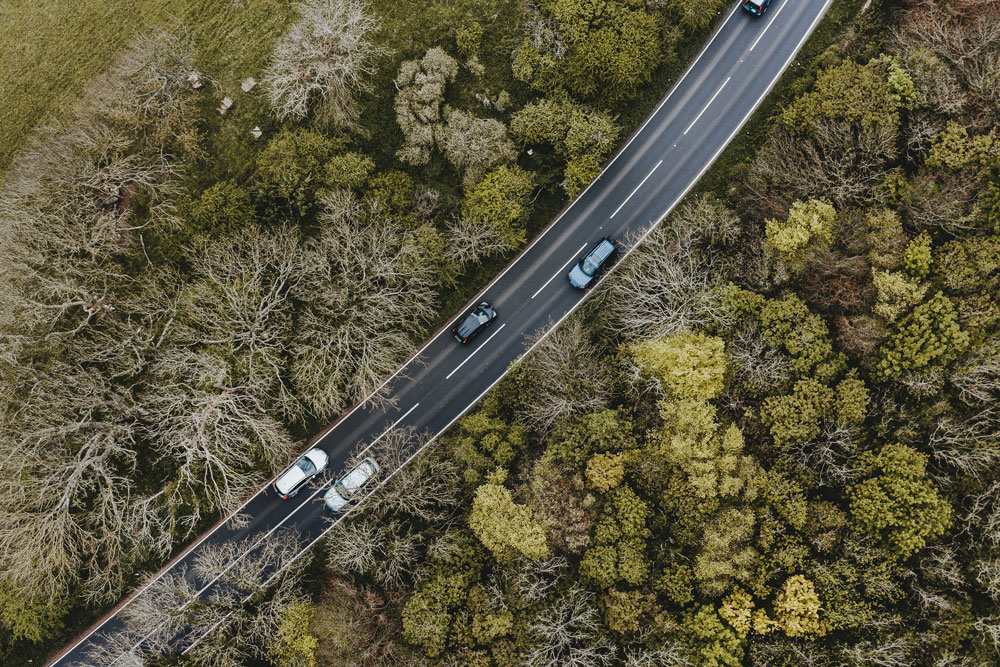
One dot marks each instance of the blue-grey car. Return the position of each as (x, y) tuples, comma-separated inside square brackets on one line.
[(592, 263)]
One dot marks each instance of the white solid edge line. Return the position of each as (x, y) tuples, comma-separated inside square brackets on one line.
[(771, 20), (636, 189), (321, 488), (561, 269), (524, 252), (585, 295), (476, 351), (707, 105)]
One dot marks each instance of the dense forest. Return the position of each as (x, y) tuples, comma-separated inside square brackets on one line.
[(770, 438)]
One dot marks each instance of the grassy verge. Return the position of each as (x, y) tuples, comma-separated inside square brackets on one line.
[(53, 48)]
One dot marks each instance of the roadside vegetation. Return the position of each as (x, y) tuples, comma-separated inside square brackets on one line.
[(771, 438), (182, 302)]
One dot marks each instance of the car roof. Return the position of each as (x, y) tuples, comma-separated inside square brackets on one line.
[(318, 457), (359, 474), (290, 478), (603, 249)]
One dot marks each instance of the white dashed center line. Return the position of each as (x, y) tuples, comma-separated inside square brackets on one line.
[(636, 188), (499, 329), (773, 16), (707, 105), (561, 269)]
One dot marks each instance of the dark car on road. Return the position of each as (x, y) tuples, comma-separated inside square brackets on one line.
[(469, 326), (587, 268), (756, 7)]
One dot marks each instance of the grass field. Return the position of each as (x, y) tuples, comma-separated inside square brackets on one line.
[(53, 48)]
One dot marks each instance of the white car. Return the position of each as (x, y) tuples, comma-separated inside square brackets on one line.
[(299, 473), (348, 486)]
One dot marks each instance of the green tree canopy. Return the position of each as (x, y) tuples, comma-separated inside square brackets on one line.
[(687, 365), (504, 526), (896, 501)]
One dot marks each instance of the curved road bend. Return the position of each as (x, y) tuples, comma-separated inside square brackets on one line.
[(662, 161)]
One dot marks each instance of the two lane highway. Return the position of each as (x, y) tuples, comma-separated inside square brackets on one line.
[(645, 180)]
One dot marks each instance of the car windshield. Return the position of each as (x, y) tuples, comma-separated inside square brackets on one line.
[(307, 466), (481, 315)]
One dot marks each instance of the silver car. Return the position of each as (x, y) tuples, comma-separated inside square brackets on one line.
[(348, 486)]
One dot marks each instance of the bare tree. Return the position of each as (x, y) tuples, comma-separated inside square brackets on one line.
[(570, 377), (891, 651), (757, 365), (367, 290), (474, 145), (964, 35), (469, 240), (325, 58), (221, 437), (420, 85), (839, 161), (567, 634), (971, 446), (666, 286), (253, 583)]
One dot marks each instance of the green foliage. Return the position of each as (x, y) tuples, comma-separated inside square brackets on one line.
[(504, 526), (929, 335), (726, 556), (623, 610), (871, 94), (575, 438), (429, 613), (897, 293), (393, 190), (737, 610), (710, 456), (606, 471), (851, 402), (482, 442), (500, 201), (676, 583), (293, 645), (610, 50), (290, 169), (29, 618), (709, 641), (896, 501), (619, 543), (796, 418), (694, 15), (579, 135), (917, 256), (797, 607), (809, 224), (687, 365), (885, 239), (221, 210), (789, 323), (955, 149), (580, 171), (990, 206), (468, 38), (347, 170)]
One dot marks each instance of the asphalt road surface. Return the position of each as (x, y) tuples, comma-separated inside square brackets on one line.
[(655, 169)]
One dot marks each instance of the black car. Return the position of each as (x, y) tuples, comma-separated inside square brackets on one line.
[(470, 325), (756, 7)]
